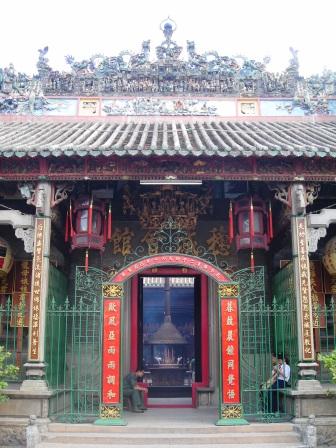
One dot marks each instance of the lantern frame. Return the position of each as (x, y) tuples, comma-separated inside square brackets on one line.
[(81, 238), (6, 258), (242, 212)]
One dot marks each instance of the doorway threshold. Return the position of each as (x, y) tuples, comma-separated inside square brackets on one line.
[(173, 402)]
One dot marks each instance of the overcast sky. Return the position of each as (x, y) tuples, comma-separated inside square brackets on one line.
[(255, 28)]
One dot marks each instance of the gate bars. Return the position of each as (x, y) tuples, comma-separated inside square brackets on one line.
[(74, 352)]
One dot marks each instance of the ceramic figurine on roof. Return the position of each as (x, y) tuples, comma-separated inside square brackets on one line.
[(294, 62), (8, 83), (141, 59), (131, 74), (128, 73), (42, 65), (168, 48)]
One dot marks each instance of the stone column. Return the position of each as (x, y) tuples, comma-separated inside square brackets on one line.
[(307, 364), (35, 367)]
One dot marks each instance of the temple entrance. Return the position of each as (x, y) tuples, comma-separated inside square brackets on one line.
[(169, 337), (79, 342), (170, 334)]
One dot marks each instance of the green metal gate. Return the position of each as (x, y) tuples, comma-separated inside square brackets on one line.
[(73, 341), (74, 345), (265, 328)]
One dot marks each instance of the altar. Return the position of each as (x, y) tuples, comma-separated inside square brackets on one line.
[(169, 375)]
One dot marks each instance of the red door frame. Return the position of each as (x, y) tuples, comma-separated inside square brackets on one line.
[(181, 272)]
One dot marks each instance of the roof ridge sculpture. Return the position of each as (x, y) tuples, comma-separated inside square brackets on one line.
[(197, 74)]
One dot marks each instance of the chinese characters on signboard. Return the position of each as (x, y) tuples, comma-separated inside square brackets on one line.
[(230, 351), (88, 106), (304, 276), (36, 289), (21, 293), (318, 287), (317, 294), (183, 260), (111, 352)]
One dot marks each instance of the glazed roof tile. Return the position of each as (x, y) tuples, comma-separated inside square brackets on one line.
[(221, 138)]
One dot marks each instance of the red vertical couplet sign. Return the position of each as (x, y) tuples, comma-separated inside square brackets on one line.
[(111, 352), (230, 351)]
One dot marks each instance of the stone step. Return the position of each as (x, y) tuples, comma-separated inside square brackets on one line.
[(169, 429), (164, 445), (178, 438)]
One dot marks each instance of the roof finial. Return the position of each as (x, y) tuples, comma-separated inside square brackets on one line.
[(168, 26)]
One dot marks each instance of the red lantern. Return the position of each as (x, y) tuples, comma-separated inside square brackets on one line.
[(87, 216), (251, 217), (6, 257)]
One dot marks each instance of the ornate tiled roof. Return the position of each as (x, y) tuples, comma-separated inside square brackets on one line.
[(172, 73), (195, 138)]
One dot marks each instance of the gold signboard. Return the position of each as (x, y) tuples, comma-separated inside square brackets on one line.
[(36, 290), (305, 293)]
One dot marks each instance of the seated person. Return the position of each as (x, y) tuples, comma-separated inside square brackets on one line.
[(265, 387), (273, 377), (132, 389)]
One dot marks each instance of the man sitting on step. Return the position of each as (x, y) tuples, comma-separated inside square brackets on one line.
[(132, 389)]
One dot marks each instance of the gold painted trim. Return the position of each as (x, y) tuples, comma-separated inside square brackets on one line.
[(110, 412), (232, 411), (112, 290), (228, 290)]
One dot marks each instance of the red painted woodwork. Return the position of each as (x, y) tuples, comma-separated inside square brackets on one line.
[(168, 260), (205, 330), (227, 168), (204, 341), (134, 323)]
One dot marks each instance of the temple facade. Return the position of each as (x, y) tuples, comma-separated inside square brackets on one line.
[(175, 212)]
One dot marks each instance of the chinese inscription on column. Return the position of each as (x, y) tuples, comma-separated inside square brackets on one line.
[(304, 276), (36, 289), (230, 351), (111, 352)]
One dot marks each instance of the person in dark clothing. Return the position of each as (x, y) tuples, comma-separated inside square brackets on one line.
[(132, 389)]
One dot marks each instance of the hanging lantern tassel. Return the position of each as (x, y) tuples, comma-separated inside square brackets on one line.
[(66, 236), (109, 223), (105, 228), (86, 260), (90, 218), (270, 217), (231, 223), (251, 221), (252, 261), (70, 220)]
